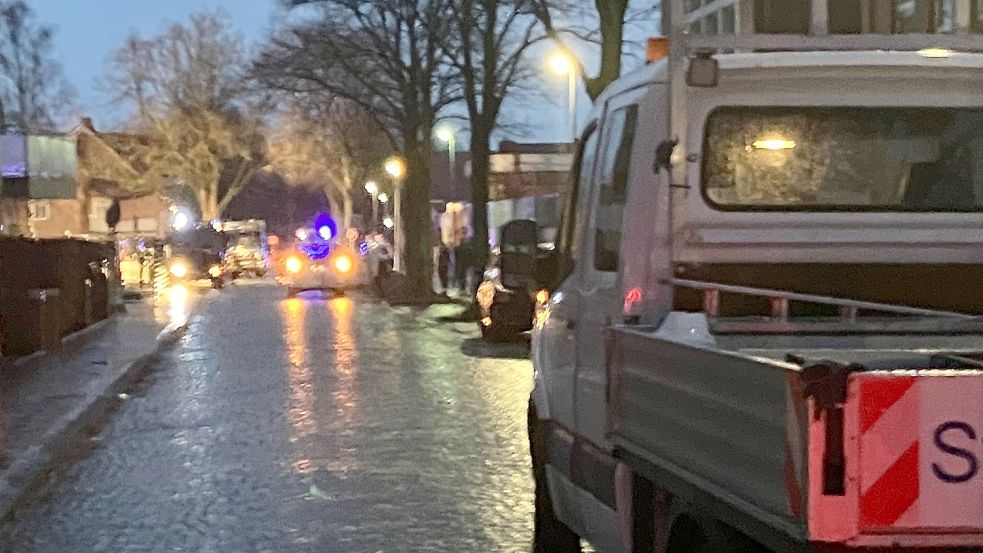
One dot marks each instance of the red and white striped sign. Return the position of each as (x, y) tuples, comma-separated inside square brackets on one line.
[(921, 448)]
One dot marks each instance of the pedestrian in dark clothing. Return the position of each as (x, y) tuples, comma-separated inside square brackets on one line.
[(464, 255), (443, 266)]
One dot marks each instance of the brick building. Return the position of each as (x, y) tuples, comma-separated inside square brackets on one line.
[(62, 185), (526, 181)]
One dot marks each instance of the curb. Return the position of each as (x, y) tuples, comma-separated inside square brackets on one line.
[(27, 474)]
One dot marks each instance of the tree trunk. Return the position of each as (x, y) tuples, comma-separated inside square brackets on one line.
[(480, 160), (333, 206), (612, 16), (206, 203), (346, 206), (416, 217)]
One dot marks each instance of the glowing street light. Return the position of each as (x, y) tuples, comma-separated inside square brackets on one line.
[(373, 189), (396, 167), (384, 198), (446, 135), (387, 222), (181, 220), (562, 64)]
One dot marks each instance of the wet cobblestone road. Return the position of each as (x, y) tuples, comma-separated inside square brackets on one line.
[(278, 425)]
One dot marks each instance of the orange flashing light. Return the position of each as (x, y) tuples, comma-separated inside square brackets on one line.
[(656, 48)]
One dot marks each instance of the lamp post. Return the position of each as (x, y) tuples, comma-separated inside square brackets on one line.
[(396, 167), (446, 135), (384, 200), (561, 63), (373, 189)]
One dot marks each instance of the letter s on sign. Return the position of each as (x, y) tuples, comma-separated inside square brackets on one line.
[(957, 451)]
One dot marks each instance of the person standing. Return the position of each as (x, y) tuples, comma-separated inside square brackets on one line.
[(465, 258), (443, 267)]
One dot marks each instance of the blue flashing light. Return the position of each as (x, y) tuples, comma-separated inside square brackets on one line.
[(325, 227), (315, 250)]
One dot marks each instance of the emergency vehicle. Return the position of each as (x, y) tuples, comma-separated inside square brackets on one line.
[(320, 262)]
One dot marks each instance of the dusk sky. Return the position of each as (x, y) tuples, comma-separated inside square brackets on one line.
[(88, 31)]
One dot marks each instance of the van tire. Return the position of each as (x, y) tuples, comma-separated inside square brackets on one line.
[(549, 534)]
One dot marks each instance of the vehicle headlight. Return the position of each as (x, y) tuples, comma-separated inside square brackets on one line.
[(343, 264), (215, 271), (179, 269), (294, 264)]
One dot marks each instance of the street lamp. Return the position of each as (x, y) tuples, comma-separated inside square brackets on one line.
[(446, 135), (396, 167), (384, 200), (180, 220), (562, 63), (373, 189)]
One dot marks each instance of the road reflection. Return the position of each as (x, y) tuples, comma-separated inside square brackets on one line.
[(300, 412), (178, 298), (344, 367)]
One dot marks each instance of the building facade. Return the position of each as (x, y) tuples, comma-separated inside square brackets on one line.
[(63, 185)]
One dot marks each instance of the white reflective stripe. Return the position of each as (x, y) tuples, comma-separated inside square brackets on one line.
[(893, 433)]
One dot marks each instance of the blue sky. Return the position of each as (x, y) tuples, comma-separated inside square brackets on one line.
[(88, 31)]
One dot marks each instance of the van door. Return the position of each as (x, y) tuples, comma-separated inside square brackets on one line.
[(556, 346), (600, 294)]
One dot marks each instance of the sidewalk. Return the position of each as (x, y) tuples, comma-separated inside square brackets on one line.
[(47, 399)]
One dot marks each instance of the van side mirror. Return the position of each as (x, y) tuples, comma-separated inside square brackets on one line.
[(663, 155)]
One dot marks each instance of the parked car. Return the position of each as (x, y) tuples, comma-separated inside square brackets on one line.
[(196, 254)]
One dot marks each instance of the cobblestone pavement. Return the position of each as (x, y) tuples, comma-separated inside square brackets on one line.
[(278, 425)]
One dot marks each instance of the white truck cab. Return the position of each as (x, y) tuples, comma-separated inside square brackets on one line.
[(763, 257)]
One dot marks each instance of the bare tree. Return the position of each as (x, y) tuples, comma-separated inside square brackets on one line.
[(490, 41), (611, 16), (35, 92), (332, 145), (192, 108), (386, 56)]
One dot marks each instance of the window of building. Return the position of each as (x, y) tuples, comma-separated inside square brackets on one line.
[(40, 210)]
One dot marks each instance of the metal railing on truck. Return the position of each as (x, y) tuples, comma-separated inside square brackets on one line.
[(781, 25), (853, 315)]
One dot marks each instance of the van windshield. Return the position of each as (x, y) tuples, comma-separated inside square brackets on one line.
[(844, 159)]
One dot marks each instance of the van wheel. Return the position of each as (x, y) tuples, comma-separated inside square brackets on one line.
[(549, 534)]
